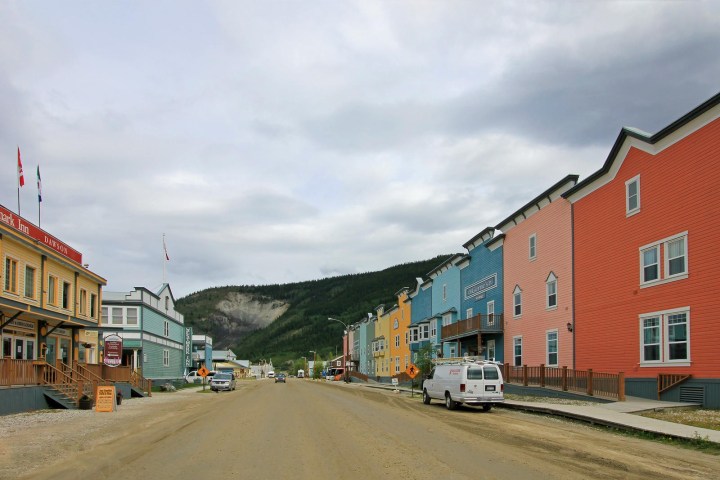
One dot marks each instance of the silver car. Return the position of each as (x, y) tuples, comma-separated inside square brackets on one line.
[(222, 381)]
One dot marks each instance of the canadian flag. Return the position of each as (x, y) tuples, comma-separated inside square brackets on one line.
[(21, 177)]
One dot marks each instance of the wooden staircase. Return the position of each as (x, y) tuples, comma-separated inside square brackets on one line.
[(666, 381)]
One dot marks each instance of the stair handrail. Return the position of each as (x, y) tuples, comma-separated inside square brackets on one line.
[(140, 382), (66, 384)]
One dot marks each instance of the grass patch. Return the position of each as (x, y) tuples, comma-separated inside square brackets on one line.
[(696, 417)]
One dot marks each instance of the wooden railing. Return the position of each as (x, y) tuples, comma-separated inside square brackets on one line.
[(141, 383), (66, 384), (668, 380), (18, 372), (477, 324), (606, 385)]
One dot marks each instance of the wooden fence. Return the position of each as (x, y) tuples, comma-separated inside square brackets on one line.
[(587, 382)]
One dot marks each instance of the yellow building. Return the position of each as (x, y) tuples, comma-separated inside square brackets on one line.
[(381, 352), (48, 299), (399, 334)]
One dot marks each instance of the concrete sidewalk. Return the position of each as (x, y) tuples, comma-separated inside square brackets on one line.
[(621, 415)]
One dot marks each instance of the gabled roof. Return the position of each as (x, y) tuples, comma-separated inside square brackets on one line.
[(482, 237), (546, 197), (618, 151), (453, 260)]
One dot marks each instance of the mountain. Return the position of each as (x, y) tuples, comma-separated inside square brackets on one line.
[(286, 322)]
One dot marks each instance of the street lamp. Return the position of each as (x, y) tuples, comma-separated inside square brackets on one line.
[(312, 375), (346, 374)]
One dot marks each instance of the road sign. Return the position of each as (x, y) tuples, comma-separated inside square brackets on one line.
[(412, 370), (203, 372)]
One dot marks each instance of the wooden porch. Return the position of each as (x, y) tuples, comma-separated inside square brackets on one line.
[(472, 326)]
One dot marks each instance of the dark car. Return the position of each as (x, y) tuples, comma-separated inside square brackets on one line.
[(280, 377), (222, 381)]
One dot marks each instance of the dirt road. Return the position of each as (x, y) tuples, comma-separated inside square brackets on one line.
[(314, 430)]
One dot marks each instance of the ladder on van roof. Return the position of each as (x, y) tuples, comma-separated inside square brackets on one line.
[(461, 360)]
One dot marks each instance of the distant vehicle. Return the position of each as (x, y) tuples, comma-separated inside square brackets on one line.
[(223, 381), (301, 374), (473, 382), (280, 378), (194, 377), (271, 374)]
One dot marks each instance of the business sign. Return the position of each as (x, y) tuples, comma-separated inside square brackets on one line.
[(113, 351), (23, 226), (105, 399), (479, 288)]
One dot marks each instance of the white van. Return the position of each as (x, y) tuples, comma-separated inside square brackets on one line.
[(472, 382), (301, 374)]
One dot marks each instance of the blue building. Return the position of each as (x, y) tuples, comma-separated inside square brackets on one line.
[(420, 313), (479, 328), (446, 305)]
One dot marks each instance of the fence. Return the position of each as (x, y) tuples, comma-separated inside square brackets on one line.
[(607, 385)]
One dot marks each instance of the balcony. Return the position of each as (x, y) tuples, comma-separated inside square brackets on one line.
[(473, 326)]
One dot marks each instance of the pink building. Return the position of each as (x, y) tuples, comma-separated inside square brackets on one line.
[(538, 280)]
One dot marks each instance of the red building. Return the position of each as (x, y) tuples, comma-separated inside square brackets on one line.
[(645, 268)]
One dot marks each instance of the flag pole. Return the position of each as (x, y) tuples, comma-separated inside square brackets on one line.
[(20, 178), (39, 193)]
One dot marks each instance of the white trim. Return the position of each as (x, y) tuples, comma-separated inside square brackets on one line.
[(628, 211), (516, 291), (532, 247), (664, 344), (663, 276), (547, 347), (551, 279)]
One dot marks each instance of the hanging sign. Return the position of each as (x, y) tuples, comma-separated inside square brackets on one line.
[(113, 351)]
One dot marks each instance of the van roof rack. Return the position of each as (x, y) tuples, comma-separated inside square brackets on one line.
[(465, 359)]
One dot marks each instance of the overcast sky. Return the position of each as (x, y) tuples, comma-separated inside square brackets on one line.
[(274, 142)]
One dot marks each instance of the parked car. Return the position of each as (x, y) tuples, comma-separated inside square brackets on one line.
[(223, 381), (271, 374), (194, 377), (473, 382), (280, 378)]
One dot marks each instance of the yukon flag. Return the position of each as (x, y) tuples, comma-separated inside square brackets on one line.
[(39, 185), (21, 177)]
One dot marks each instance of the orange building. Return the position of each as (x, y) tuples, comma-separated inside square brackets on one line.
[(645, 233)]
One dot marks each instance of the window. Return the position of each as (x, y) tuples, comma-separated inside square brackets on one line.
[(433, 329), (131, 315), (532, 246), (469, 313), (83, 301), (552, 348), (650, 264), (517, 351), (29, 281), (397, 364), (491, 350), (665, 338), (166, 358), (446, 319), (11, 280), (414, 334), (491, 312), (551, 289), (673, 265), (397, 341), (166, 328), (517, 301), (407, 337), (117, 316), (632, 196), (93, 305), (66, 295), (424, 332), (104, 319), (52, 290), (444, 292)]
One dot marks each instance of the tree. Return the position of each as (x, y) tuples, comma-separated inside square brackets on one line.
[(424, 358)]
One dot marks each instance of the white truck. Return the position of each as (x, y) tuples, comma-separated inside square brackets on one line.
[(301, 374), (464, 380)]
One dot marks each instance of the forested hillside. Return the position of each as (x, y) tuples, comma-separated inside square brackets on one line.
[(285, 322)]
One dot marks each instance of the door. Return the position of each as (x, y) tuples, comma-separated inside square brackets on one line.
[(51, 349), (64, 351)]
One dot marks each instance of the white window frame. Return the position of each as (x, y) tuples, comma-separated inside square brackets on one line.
[(33, 283), (663, 266), (444, 292), (664, 322), (516, 304), (517, 342), (491, 312), (491, 350), (166, 357), (643, 265), (548, 348), (166, 328), (532, 247), (433, 329), (469, 313), (551, 290), (628, 210), (397, 341), (424, 331), (397, 364), (447, 319)]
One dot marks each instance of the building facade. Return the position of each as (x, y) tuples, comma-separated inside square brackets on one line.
[(645, 227), (538, 281), (153, 333)]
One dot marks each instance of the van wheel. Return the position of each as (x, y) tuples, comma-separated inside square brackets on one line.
[(426, 398), (486, 407), (449, 402)]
